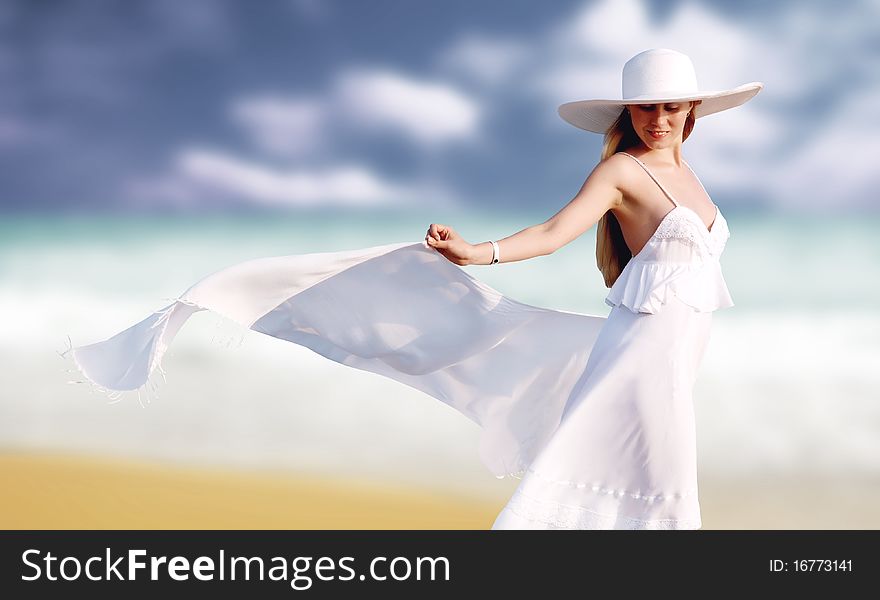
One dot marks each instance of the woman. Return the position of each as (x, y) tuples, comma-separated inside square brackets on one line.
[(624, 455), (593, 413)]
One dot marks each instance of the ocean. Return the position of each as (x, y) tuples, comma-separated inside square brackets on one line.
[(790, 382)]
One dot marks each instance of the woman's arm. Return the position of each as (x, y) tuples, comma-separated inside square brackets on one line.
[(599, 193)]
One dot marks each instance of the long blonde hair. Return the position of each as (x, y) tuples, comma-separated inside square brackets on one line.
[(612, 253)]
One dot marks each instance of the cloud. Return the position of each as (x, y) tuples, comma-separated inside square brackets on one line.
[(301, 129), (485, 60), (837, 166), (283, 126), (429, 112), (202, 173)]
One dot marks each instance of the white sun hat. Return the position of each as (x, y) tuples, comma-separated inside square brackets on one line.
[(653, 77)]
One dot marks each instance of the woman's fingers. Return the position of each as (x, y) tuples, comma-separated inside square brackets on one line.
[(438, 231)]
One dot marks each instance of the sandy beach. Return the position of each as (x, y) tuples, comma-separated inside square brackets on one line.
[(60, 491), (51, 491)]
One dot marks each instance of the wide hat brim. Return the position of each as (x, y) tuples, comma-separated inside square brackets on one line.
[(598, 115)]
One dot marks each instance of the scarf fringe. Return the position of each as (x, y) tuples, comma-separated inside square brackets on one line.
[(149, 391), (228, 333)]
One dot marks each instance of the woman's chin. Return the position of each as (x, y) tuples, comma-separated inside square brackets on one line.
[(657, 144)]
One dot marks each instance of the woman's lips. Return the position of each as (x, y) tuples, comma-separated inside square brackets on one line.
[(658, 134)]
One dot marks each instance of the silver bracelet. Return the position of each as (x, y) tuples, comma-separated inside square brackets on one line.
[(496, 253)]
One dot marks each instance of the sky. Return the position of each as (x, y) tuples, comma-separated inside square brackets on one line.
[(215, 105)]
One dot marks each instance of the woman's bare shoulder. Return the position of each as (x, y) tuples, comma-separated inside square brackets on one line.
[(618, 161), (617, 169)]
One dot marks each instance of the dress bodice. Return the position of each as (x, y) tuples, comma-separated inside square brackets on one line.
[(682, 257)]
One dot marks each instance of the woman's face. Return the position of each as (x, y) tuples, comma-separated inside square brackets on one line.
[(660, 125)]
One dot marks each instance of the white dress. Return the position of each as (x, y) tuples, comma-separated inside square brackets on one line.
[(594, 413), (624, 455)]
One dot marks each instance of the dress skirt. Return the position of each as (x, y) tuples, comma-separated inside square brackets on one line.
[(624, 454)]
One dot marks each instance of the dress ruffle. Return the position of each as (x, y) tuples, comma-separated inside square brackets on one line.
[(645, 286)]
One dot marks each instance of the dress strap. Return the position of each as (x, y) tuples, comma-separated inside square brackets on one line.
[(697, 177), (660, 185)]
